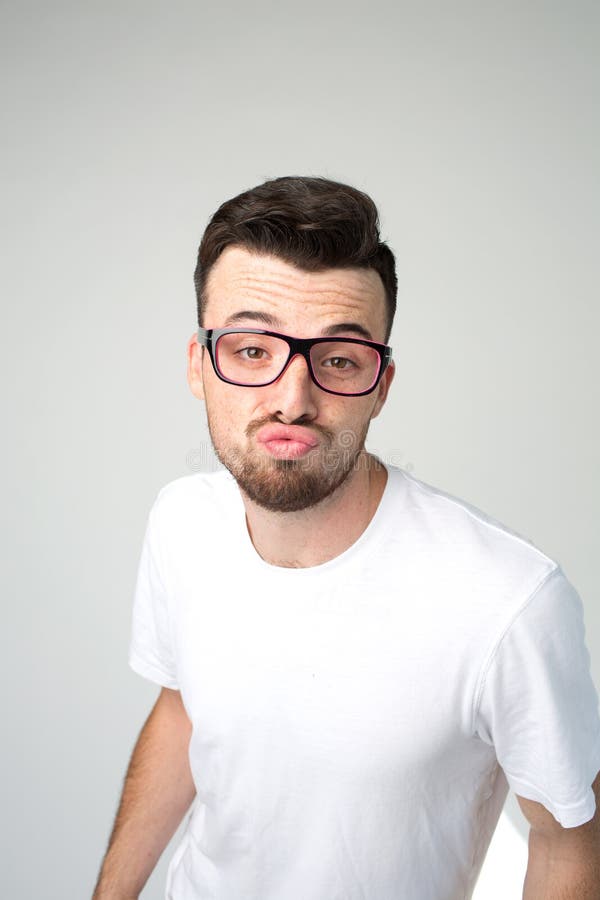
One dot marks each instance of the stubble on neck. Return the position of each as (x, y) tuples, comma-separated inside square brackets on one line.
[(316, 534)]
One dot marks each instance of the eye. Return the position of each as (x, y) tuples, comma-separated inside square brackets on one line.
[(252, 353), (338, 362)]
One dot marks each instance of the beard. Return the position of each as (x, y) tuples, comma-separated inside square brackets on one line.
[(290, 485)]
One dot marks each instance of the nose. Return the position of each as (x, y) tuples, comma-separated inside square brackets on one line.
[(292, 396)]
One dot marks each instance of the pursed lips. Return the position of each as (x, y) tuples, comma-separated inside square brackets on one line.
[(286, 441)]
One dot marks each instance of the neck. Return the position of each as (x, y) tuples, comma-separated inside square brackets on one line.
[(315, 535)]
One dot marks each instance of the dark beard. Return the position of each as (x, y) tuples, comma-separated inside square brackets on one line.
[(290, 485)]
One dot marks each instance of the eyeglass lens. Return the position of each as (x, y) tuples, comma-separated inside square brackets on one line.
[(257, 359)]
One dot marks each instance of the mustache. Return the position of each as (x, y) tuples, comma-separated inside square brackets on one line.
[(255, 426)]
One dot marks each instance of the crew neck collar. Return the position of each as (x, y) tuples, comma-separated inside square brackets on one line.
[(365, 538)]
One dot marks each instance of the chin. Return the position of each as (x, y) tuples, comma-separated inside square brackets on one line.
[(288, 488)]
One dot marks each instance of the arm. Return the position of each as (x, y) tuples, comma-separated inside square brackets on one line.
[(563, 863), (157, 792)]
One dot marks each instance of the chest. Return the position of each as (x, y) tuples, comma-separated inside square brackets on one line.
[(346, 672)]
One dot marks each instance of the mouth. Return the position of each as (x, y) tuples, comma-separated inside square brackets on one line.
[(286, 441)]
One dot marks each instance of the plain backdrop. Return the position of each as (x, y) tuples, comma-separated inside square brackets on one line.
[(475, 128)]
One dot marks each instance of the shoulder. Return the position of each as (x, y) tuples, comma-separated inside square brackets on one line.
[(461, 531), (193, 494)]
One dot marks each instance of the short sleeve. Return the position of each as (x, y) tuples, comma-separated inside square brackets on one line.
[(538, 706), (150, 650)]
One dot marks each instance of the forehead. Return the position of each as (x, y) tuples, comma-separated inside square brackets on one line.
[(242, 281)]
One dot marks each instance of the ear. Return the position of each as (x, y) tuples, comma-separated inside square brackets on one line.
[(383, 388), (195, 355)]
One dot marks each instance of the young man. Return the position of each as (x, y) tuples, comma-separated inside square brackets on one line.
[(354, 665)]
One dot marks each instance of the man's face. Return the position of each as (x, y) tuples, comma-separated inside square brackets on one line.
[(288, 444)]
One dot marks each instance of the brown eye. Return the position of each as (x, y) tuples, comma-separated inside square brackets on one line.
[(338, 362), (252, 353)]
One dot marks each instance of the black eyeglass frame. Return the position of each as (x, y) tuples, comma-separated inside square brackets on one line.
[(208, 338)]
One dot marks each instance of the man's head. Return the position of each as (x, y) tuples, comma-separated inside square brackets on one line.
[(290, 439), (312, 223)]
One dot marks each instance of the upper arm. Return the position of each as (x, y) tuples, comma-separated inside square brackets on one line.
[(538, 707), (169, 709), (544, 825), (562, 862)]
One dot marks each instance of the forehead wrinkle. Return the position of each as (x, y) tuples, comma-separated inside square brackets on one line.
[(241, 264), (310, 283), (339, 294), (273, 290), (264, 287), (274, 309)]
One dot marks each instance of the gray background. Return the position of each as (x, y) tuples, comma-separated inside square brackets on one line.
[(475, 129)]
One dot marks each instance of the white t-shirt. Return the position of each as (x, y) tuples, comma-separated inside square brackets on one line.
[(355, 723)]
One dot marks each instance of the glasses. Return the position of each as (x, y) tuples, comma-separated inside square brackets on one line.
[(349, 367)]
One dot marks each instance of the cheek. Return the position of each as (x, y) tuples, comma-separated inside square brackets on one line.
[(361, 409), (230, 408), (349, 418)]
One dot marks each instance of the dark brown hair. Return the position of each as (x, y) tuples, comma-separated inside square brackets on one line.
[(312, 223)]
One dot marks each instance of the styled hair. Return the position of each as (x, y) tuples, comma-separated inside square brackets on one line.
[(311, 222)]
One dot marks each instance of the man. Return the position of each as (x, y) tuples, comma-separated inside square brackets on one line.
[(358, 664)]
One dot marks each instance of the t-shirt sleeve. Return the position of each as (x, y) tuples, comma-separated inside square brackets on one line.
[(151, 650), (538, 706)]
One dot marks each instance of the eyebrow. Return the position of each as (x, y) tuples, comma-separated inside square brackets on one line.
[(354, 327), (255, 315), (273, 322)]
